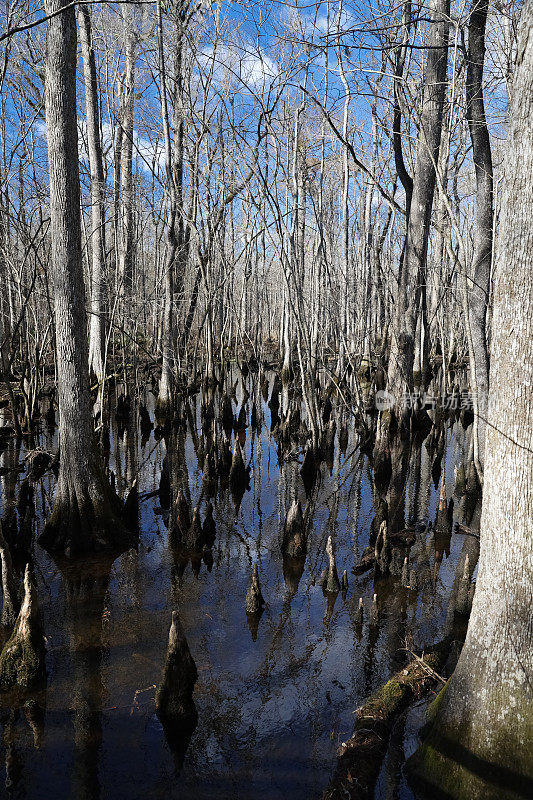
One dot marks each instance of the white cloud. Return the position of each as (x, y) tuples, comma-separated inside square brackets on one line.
[(319, 24), (239, 65), (150, 152), (39, 128)]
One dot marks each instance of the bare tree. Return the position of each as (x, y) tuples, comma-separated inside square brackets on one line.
[(83, 517), (412, 265), (478, 284), (482, 729), (97, 233)]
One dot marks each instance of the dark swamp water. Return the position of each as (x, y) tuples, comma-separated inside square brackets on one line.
[(273, 703)]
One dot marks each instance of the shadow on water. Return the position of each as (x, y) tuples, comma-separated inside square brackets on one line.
[(277, 689)]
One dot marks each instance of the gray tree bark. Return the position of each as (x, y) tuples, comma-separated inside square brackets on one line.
[(82, 517), (177, 228), (481, 742), (126, 160), (164, 398), (97, 233), (403, 331), (479, 284)]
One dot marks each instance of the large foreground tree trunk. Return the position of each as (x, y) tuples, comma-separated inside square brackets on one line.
[(481, 742), (82, 517)]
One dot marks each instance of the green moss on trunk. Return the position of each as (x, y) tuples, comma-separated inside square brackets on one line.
[(461, 761)]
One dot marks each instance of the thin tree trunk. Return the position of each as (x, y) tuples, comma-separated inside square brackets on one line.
[(97, 233), (164, 398), (400, 371), (126, 162), (479, 283)]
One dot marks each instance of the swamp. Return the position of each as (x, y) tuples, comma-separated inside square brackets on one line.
[(272, 688), (266, 418)]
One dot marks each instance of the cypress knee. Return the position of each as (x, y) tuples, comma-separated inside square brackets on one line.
[(22, 661), (9, 589), (294, 538), (209, 527), (332, 583), (173, 701), (254, 597)]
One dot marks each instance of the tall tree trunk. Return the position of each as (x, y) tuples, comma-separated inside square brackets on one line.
[(82, 517), (164, 398), (479, 284), (126, 161), (97, 233), (401, 169), (400, 371), (177, 232), (345, 247), (481, 741)]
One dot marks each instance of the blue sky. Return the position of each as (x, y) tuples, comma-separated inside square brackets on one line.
[(256, 49)]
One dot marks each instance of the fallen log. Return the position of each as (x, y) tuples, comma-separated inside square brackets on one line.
[(403, 538), (360, 758), (367, 561)]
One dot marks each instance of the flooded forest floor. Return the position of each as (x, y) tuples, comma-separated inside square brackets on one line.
[(276, 691)]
